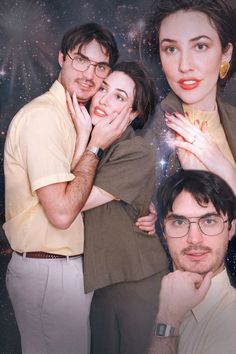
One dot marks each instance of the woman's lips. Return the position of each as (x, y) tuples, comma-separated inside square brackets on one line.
[(189, 84), (99, 112)]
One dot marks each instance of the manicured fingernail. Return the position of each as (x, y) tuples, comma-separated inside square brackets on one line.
[(168, 122)]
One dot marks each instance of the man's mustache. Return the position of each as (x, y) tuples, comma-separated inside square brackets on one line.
[(191, 248)]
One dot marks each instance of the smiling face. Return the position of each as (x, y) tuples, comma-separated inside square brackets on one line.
[(197, 252), (116, 92), (191, 55), (85, 84)]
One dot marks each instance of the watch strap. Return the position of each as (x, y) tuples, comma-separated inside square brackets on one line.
[(165, 330), (98, 152)]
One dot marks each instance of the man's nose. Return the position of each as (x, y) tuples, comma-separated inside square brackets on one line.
[(194, 235), (90, 72)]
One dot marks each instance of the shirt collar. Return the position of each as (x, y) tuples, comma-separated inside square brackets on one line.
[(58, 91), (219, 287)]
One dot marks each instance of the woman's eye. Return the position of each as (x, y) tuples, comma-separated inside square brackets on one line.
[(170, 50), (201, 46), (120, 98), (102, 89)]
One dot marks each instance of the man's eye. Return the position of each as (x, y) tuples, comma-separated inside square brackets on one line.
[(209, 221), (101, 67), (178, 222), (80, 60)]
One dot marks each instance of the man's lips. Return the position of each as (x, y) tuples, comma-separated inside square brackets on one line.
[(196, 253), (189, 84), (99, 112), (85, 85)]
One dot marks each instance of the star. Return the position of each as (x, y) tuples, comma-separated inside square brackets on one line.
[(162, 162)]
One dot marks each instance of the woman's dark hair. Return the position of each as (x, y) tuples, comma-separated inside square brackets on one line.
[(220, 13), (204, 186), (84, 34), (145, 97)]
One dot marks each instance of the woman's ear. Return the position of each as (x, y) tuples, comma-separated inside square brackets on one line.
[(228, 52), (133, 115)]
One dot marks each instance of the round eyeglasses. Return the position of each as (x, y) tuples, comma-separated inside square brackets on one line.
[(178, 226), (82, 63)]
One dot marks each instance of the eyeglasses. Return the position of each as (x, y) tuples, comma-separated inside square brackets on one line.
[(82, 63), (179, 226)]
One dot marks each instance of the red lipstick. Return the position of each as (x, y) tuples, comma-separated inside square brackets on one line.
[(189, 83), (99, 112)]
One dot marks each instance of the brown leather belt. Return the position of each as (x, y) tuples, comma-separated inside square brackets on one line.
[(44, 255)]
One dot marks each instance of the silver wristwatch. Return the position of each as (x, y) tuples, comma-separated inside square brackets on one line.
[(165, 330), (98, 152)]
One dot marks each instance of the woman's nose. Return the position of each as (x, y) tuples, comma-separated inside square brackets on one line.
[(103, 100), (185, 62)]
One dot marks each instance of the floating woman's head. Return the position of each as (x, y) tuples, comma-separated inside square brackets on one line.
[(195, 42), (128, 85)]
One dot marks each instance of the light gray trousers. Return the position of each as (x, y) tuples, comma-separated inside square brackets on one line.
[(51, 308)]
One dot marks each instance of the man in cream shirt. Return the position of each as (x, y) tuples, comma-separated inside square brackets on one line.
[(44, 198), (197, 303)]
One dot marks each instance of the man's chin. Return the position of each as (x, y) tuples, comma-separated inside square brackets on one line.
[(201, 269)]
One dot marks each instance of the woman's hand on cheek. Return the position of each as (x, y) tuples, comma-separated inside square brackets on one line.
[(80, 116)]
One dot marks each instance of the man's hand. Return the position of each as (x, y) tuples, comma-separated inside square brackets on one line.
[(147, 223), (110, 129), (181, 292)]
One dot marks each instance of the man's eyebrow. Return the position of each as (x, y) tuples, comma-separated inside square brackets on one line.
[(169, 40), (87, 58), (177, 216)]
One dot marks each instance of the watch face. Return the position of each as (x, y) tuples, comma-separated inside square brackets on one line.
[(164, 330), (100, 153)]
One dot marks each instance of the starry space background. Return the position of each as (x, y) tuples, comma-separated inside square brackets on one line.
[(30, 35)]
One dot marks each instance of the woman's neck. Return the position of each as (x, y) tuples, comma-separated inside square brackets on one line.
[(204, 108)]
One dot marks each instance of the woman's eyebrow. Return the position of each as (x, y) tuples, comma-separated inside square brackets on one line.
[(169, 40), (122, 91), (200, 37)]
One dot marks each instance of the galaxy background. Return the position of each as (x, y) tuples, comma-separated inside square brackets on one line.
[(30, 35)]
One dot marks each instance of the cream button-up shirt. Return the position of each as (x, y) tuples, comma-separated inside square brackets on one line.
[(38, 152), (210, 328)]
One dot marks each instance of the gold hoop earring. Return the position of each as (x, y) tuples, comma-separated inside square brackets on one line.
[(224, 68)]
